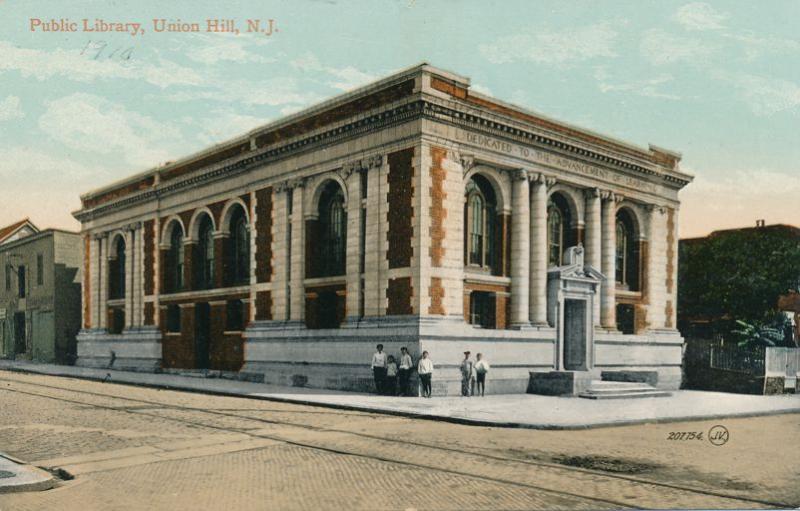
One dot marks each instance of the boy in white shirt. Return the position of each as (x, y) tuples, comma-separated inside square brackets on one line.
[(425, 371), (379, 369), (404, 371), (481, 368)]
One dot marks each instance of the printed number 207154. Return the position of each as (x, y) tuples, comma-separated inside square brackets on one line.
[(685, 435)]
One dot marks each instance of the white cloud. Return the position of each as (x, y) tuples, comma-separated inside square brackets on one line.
[(737, 199), (344, 78), (273, 92), (220, 48), (41, 168), (754, 46), (94, 124), (480, 89), (226, 124), (700, 16), (765, 96), (71, 65), (10, 109), (648, 87), (546, 46), (661, 48)]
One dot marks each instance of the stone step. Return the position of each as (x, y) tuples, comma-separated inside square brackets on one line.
[(620, 390), (626, 395)]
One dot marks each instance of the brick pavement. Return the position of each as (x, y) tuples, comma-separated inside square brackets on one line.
[(333, 459)]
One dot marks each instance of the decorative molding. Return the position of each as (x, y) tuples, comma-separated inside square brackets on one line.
[(467, 162), (381, 120), (592, 193)]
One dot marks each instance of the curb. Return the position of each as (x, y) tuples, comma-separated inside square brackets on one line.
[(25, 478), (414, 415)]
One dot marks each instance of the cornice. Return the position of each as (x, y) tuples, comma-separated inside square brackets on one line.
[(414, 110)]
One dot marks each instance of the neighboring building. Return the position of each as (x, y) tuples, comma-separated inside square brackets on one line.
[(40, 293), (413, 212), (737, 274)]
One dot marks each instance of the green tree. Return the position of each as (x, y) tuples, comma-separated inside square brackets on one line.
[(738, 275)]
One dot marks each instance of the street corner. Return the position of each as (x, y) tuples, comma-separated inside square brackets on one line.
[(17, 476)]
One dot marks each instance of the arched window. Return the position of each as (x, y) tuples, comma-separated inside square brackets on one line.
[(174, 276), (116, 277), (627, 252), (559, 235), (204, 274), (237, 264), (555, 235), (333, 231), (480, 217)]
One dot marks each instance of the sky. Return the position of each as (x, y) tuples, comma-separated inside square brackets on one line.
[(716, 81)]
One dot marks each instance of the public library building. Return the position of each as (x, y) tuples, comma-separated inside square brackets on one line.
[(412, 212)]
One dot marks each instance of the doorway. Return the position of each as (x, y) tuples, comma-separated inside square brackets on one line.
[(575, 335), (202, 334), (19, 333)]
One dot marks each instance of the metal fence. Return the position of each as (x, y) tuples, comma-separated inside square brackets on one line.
[(733, 358)]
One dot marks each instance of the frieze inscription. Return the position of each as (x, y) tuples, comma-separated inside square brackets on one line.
[(556, 161)]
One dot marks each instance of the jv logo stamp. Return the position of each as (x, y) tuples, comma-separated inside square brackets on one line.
[(718, 435)]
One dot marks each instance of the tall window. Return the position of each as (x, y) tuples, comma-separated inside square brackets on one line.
[(238, 253), (627, 252), (116, 267), (622, 252), (482, 309), (205, 255), (21, 281), (175, 280), (559, 236), (333, 231), (480, 216), (39, 269)]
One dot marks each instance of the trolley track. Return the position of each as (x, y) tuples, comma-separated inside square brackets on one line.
[(154, 405)]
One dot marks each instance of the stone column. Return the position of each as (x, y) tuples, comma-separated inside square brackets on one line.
[(593, 245), (352, 176), (538, 251), (297, 299), (102, 301), (655, 267), (138, 288), (520, 249), (608, 306), (376, 266), (281, 229), (129, 262), (94, 280)]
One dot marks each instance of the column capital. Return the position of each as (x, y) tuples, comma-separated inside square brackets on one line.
[(98, 236), (592, 193), (652, 208), (467, 162), (541, 178), (133, 226), (290, 184), (518, 174)]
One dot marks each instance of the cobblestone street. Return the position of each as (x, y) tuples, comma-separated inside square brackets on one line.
[(136, 448)]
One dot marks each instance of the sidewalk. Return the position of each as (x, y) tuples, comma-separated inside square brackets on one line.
[(509, 410), (16, 476)]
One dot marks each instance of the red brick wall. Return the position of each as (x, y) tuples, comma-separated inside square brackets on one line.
[(264, 235), (264, 305), (401, 209), (177, 351), (149, 314), (312, 238), (438, 212), (149, 256), (436, 293), (399, 293), (117, 193), (87, 282)]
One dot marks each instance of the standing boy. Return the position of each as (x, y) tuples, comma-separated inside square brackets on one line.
[(467, 375), (379, 369), (425, 371), (405, 370)]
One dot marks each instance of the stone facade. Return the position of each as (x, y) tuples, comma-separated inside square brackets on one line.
[(410, 212)]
